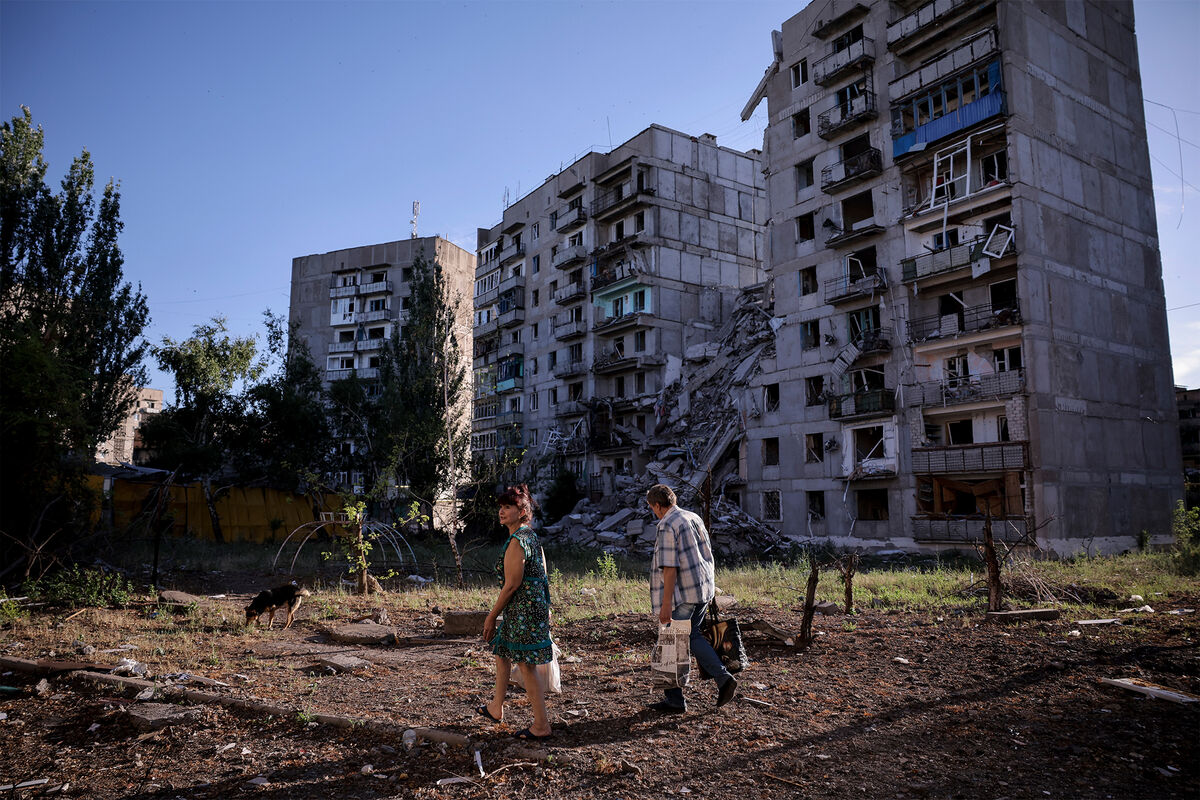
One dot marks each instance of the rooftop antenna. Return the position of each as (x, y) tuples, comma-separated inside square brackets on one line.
[(416, 213)]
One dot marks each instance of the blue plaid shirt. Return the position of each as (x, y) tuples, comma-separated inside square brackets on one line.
[(682, 542)]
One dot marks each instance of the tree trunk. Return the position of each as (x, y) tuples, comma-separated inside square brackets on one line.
[(849, 566), (210, 500), (810, 596), (993, 566)]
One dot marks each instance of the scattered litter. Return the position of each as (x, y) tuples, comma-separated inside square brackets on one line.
[(419, 580), (1152, 690), (42, 688), (95, 726), (3, 716), (26, 785), (754, 701), (123, 648), (455, 779), (367, 769), (226, 747), (187, 677), (822, 756), (759, 686), (575, 713), (479, 764), (145, 694), (1136, 598), (127, 666), (900, 660), (216, 597), (1179, 611), (1111, 621), (409, 739), (1074, 633), (259, 781), (1141, 609), (572, 660)]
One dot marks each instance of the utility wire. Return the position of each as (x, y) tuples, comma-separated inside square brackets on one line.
[(1168, 132), (1179, 145)]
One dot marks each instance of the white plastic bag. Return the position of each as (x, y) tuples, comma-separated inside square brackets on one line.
[(671, 662), (548, 674)]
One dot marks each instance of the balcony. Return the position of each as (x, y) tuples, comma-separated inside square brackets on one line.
[(847, 287), (569, 256), (967, 529), (514, 384), (510, 318), (874, 340), (850, 171), (858, 231), (342, 347), (570, 293), (838, 63), (933, 73), (368, 345), (964, 458), (969, 320), (373, 316), (968, 116), (570, 329), (511, 253), (950, 259), (342, 291), (874, 402), (925, 18), (486, 328), (971, 389), (365, 374), (826, 27), (624, 322), (376, 287), (619, 362), (570, 408), (511, 283), (569, 219), (570, 369), (509, 350), (618, 201), (844, 116)]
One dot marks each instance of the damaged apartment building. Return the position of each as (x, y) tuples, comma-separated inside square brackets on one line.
[(590, 289), (963, 255)]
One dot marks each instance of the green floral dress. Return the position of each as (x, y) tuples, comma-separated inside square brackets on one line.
[(523, 635)]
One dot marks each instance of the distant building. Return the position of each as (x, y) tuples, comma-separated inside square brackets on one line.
[(349, 302), (1188, 401), (962, 242), (592, 286), (125, 445)]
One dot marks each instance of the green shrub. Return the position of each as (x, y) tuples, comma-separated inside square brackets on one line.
[(606, 567), (1185, 525), (79, 587), (9, 612)]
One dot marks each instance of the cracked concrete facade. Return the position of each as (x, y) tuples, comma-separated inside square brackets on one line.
[(963, 246)]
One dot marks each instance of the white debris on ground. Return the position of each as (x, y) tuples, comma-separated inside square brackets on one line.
[(701, 421)]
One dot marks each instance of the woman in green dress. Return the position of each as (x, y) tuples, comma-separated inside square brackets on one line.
[(523, 636)]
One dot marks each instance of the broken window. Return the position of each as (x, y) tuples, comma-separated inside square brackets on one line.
[(856, 146), (618, 386), (862, 322), (639, 382), (808, 280), (373, 362), (848, 38), (1008, 359), (533, 401), (575, 352), (814, 390), (872, 504), (618, 307), (639, 300), (816, 505), (771, 397), (960, 432), (1002, 434), (867, 379), (860, 264), (380, 304), (770, 452), (994, 168), (933, 434), (814, 448), (346, 336), (943, 240), (552, 359), (868, 443), (639, 341), (998, 241), (801, 126), (772, 509), (618, 231), (576, 240), (810, 335), (956, 370), (856, 210), (804, 175), (806, 230), (575, 391), (847, 94), (1003, 294)]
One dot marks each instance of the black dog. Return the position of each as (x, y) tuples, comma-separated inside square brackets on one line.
[(288, 597)]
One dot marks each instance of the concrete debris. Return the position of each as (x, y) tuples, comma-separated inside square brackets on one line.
[(152, 716), (463, 623), (699, 422), (340, 662), (362, 633)]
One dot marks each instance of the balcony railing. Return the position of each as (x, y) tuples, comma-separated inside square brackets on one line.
[(373, 316), (570, 408), (512, 253), (569, 369), (570, 218), (974, 318), (845, 114), (513, 384), (486, 328), (342, 347), (936, 71), (852, 170), (971, 389), (622, 322), (614, 363), (847, 287), (366, 345), (862, 404), (619, 197), (366, 374), (509, 350), (511, 317), (829, 68), (569, 329), (375, 287), (510, 283), (874, 340), (570, 293), (908, 26), (948, 260), (960, 119), (967, 529), (569, 256), (962, 458), (342, 291)]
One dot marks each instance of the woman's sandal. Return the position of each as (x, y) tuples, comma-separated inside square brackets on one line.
[(528, 734), (483, 712)]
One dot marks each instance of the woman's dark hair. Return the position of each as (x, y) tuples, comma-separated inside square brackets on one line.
[(519, 496)]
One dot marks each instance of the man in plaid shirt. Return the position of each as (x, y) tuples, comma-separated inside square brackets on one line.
[(681, 587)]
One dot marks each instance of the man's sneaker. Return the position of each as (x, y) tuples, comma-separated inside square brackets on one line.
[(666, 708), (728, 688)]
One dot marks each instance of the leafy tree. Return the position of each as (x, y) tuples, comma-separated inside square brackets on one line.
[(71, 347), (196, 435)]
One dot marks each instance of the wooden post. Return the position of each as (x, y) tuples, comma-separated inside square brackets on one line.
[(993, 566), (848, 566), (810, 596)]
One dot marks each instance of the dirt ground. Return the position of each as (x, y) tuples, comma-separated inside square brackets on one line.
[(881, 705)]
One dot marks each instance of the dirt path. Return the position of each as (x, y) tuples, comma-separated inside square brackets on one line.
[(977, 711)]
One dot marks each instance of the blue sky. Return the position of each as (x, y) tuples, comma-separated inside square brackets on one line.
[(245, 134)]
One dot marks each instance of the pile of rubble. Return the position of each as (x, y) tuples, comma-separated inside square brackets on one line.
[(694, 449)]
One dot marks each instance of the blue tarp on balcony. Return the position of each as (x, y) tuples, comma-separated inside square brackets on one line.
[(960, 119)]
